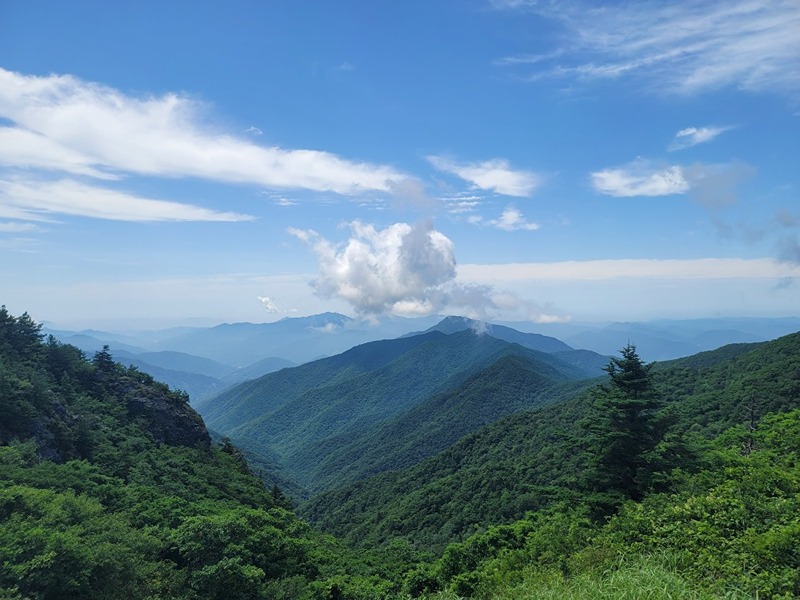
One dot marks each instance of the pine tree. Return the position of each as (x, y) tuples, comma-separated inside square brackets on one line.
[(623, 428)]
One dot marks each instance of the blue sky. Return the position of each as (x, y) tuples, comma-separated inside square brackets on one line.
[(503, 159)]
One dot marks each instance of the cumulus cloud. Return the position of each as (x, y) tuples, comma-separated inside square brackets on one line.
[(691, 136), (408, 270), (402, 269), (513, 220), (268, 304), (678, 47), (62, 123), (492, 175), (640, 178), (35, 200)]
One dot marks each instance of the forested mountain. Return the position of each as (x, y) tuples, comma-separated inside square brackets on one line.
[(316, 415), (110, 486), (512, 383), (530, 460), (588, 361)]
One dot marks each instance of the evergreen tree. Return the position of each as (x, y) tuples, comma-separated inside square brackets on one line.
[(624, 428)]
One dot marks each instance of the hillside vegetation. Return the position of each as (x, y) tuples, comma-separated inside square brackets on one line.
[(678, 480), (110, 488), (533, 459), (317, 417)]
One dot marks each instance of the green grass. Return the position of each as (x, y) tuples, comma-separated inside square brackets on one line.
[(641, 578)]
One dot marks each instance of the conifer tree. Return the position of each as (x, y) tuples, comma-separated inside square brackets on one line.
[(623, 428)]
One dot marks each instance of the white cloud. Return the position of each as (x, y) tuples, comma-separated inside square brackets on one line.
[(700, 268), (402, 269), (34, 200), (684, 47), (460, 203), (513, 220), (398, 269), (494, 175), (712, 185), (691, 136), (640, 178), (65, 124), (410, 271), (16, 227), (268, 304), (272, 308)]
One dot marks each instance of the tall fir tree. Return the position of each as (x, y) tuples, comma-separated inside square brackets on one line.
[(624, 428)]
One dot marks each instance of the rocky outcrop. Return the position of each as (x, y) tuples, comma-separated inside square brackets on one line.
[(167, 416)]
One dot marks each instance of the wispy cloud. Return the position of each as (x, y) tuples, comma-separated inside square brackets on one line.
[(513, 220), (35, 200), (685, 47), (640, 178), (61, 123), (495, 175), (700, 268), (712, 185), (17, 227), (691, 136), (462, 202)]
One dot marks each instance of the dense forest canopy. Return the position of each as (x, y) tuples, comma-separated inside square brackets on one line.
[(680, 479)]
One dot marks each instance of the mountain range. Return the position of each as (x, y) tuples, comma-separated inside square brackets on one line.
[(456, 458), (242, 351), (316, 415)]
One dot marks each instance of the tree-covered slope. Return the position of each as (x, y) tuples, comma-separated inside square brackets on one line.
[(512, 383), (310, 413), (263, 396), (729, 530), (529, 460), (110, 488)]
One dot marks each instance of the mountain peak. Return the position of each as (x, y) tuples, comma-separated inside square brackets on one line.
[(454, 324)]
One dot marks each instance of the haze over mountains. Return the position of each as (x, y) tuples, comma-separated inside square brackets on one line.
[(206, 360), (340, 419)]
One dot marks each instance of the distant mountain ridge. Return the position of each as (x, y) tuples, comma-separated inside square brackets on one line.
[(315, 414), (242, 351), (535, 341)]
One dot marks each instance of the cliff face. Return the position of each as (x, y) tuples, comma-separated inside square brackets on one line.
[(167, 417), (73, 408)]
